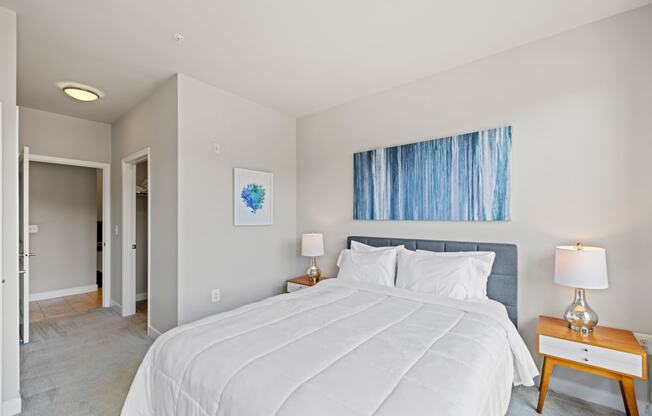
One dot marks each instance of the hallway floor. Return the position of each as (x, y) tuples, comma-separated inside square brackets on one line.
[(64, 306)]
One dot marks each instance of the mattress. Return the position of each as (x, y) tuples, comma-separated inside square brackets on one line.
[(338, 348)]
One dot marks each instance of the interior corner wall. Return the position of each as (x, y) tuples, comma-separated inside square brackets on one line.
[(151, 123), (245, 263), (579, 104), (9, 379)]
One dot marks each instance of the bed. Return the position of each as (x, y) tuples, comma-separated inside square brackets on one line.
[(345, 348)]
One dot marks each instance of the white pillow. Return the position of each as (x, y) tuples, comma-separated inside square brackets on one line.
[(483, 262), (451, 276), (378, 267), (357, 246)]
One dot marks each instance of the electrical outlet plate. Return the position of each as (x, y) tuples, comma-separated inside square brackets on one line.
[(645, 340), (215, 295)]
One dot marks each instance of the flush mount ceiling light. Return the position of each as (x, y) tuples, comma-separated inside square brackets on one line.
[(80, 92)]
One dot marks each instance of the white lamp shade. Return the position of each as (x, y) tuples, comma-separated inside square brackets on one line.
[(584, 268), (312, 245)]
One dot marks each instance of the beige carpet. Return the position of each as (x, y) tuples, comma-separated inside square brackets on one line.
[(82, 365)]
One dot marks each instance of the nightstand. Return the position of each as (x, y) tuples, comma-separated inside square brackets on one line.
[(606, 352), (301, 282)]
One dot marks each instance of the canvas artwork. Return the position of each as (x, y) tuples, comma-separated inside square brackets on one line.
[(459, 178), (252, 197)]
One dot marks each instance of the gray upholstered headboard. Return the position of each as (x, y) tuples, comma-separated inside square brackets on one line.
[(503, 280)]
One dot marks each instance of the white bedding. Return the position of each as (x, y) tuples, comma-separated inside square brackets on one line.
[(339, 348)]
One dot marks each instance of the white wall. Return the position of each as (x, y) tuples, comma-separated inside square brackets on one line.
[(64, 136), (63, 204), (246, 263), (580, 108), (9, 245), (152, 123)]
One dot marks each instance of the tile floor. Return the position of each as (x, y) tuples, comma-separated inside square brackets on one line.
[(64, 306)]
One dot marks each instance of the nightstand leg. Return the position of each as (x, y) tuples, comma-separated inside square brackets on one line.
[(546, 372), (629, 395)]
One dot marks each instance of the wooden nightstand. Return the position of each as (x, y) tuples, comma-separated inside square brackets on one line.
[(606, 352), (301, 282)]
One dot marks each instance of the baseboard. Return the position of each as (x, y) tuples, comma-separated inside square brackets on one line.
[(141, 296), (11, 407), (62, 292), (593, 395), (153, 332), (116, 306)]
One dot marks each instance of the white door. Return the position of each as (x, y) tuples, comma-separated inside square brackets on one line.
[(23, 178)]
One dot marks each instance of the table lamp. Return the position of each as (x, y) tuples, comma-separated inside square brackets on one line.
[(582, 268), (312, 245)]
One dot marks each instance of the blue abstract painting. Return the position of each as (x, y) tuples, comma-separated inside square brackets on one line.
[(253, 195), (459, 178)]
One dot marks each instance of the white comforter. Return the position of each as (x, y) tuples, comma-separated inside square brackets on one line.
[(336, 349)]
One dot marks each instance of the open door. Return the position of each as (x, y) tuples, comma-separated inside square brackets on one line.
[(24, 254)]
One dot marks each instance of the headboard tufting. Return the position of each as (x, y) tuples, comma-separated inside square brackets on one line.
[(502, 285)]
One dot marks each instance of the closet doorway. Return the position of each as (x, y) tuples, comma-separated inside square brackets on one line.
[(136, 236)]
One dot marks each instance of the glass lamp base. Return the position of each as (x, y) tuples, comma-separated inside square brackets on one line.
[(579, 315)]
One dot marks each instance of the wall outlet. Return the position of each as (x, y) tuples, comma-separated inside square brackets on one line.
[(33, 228), (645, 340), (217, 148), (215, 295)]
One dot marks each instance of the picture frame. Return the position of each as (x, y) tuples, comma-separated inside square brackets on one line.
[(253, 197)]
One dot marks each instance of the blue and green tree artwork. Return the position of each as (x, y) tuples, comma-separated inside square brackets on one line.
[(253, 195)]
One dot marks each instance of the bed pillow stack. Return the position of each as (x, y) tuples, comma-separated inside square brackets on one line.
[(458, 275)]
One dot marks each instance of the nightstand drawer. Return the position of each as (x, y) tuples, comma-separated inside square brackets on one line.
[(619, 361), (293, 287)]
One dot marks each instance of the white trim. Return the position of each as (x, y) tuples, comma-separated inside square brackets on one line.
[(141, 296), (62, 292), (106, 213), (129, 296), (11, 407), (66, 161), (153, 332)]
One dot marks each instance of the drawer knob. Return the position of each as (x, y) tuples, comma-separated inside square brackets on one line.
[(586, 350), (586, 360)]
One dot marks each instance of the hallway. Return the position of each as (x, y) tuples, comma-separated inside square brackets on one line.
[(64, 306)]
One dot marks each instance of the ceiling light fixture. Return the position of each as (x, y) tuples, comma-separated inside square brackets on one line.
[(80, 92)]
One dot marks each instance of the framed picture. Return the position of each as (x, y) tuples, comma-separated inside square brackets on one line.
[(466, 177), (253, 197)]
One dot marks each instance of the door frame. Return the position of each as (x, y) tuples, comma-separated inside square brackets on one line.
[(106, 213), (129, 232)]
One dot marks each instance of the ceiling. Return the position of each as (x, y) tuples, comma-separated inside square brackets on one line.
[(296, 56)]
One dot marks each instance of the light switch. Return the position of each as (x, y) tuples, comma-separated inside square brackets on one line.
[(33, 228)]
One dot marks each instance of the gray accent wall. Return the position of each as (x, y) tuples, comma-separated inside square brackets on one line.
[(9, 230), (245, 263), (152, 123), (63, 205), (580, 107)]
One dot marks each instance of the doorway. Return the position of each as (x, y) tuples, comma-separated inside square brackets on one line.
[(46, 162), (136, 236)]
